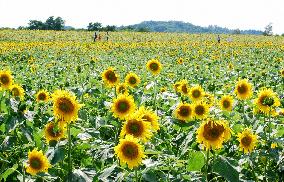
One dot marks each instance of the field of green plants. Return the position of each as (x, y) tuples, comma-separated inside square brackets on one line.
[(140, 107)]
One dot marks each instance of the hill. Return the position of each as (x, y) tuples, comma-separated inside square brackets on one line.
[(179, 26)]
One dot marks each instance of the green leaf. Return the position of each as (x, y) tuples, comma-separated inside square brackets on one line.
[(223, 167), (196, 161), (107, 172), (9, 171), (59, 154)]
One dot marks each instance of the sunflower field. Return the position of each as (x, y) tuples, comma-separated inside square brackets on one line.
[(140, 107)]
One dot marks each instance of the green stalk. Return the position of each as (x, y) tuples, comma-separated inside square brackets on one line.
[(155, 96), (69, 153), (136, 175), (207, 161), (24, 174)]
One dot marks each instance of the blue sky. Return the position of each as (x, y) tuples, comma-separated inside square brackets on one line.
[(243, 14)]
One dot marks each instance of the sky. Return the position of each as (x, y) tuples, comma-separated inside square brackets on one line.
[(242, 14)]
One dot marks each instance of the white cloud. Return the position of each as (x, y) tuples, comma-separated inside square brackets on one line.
[(243, 14)]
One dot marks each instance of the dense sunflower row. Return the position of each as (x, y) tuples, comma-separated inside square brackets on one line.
[(157, 107)]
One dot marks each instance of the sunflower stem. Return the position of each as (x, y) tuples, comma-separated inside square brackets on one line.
[(24, 174), (207, 161), (155, 97), (69, 153), (136, 175)]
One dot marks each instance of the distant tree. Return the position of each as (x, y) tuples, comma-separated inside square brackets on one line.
[(143, 29), (21, 28), (237, 31), (268, 30), (54, 24), (109, 28), (36, 25), (94, 26)]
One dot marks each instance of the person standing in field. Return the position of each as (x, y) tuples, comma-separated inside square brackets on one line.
[(95, 36), (218, 39)]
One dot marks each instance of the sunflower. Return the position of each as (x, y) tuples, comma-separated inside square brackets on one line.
[(282, 72), (247, 140), (184, 112), (209, 99), (6, 79), (17, 91), (37, 162), (154, 66), (243, 89), (200, 110), (180, 60), (42, 95), (129, 151), (184, 87), (53, 132), (176, 85), (122, 106), (132, 79), (226, 103), (212, 134), (266, 100), (135, 126), (196, 93), (109, 77), (121, 88), (65, 106), (149, 116)]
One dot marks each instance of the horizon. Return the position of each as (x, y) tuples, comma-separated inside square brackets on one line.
[(252, 15)]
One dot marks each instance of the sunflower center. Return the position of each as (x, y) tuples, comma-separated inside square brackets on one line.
[(130, 150), (41, 96), (132, 80), (184, 89), (196, 93), (184, 111), (268, 101), (199, 110), (242, 89), (15, 92), (135, 128), (123, 106), (246, 141), (212, 132), (35, 163), (154, 66), (111, 76), (66, 105), (226, 104), (4, 79), (52, 131), (122, 89), (147, 118)]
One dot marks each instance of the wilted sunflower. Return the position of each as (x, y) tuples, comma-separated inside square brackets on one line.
[(184, 112), (149, 116), (247, 140), (243, 89), (200, 110), (109, 77), (54, 132), (132, 79), (122, 106), (176, 85), (212, 134), (129, 151), (17, 91), (154, 66), (209, 99), (226, 103), (121, 88), (6, 79), (266, 100), (135, 126), (65, 106), (184, 87), (42, 95), (37, 162), (196, 93)]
